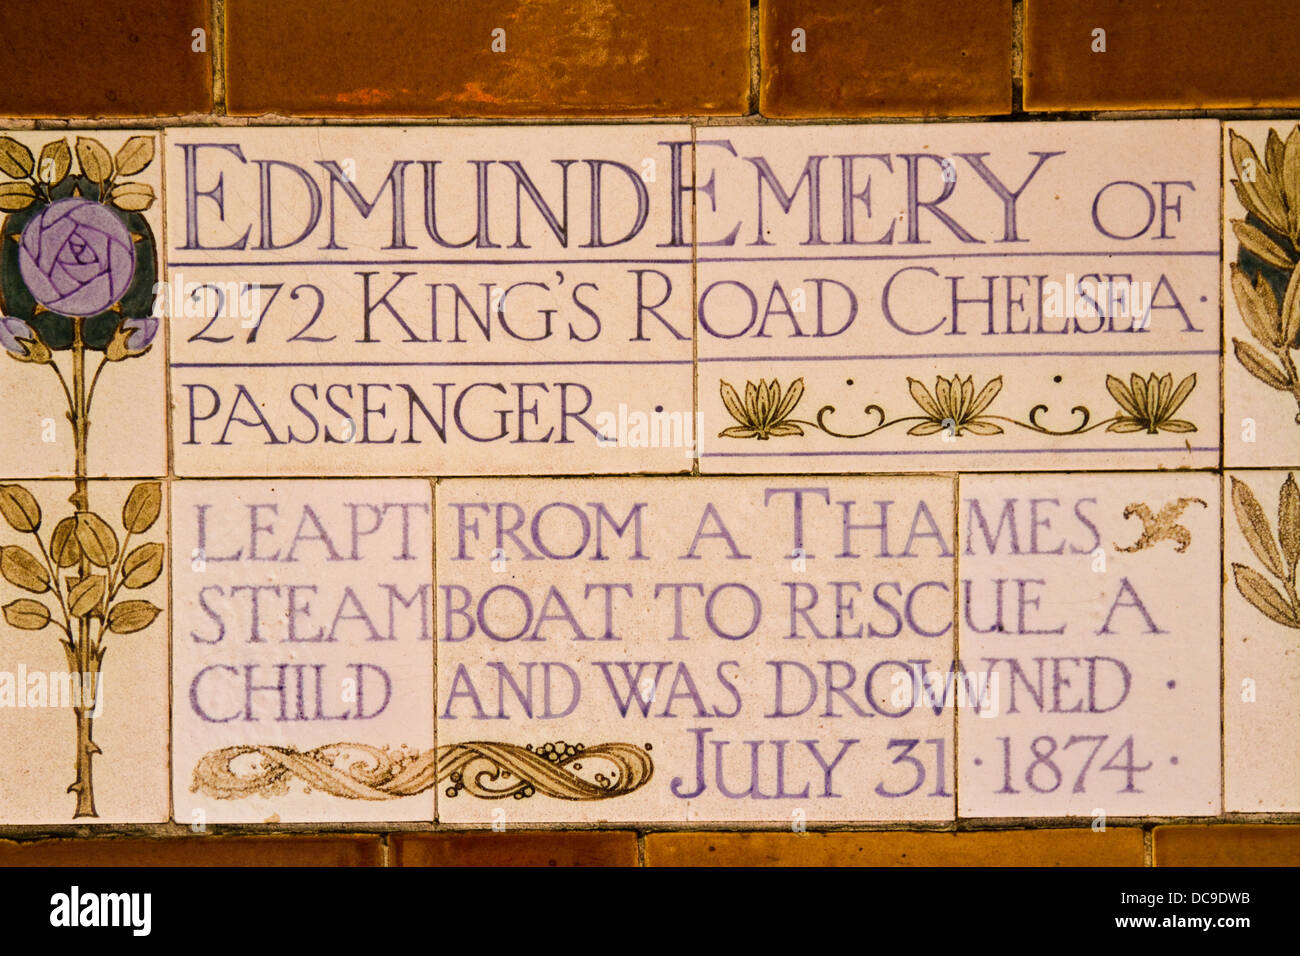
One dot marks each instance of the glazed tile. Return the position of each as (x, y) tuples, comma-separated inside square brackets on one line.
[(694, 650), (1090, 602), (64, 253), (1261, 661), (124, 526), (1261, 294), (302, 655), (526, 332), (941, 308)]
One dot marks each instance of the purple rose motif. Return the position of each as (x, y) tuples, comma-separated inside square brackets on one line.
[(77, 257), (141, 332), (11, 330)]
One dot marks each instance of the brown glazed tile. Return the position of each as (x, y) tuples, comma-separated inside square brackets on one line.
[(295, 850), (519, 848), (1227, 845), (127, 58), (885, 59), (561, 58), (1112, 847), (1188, 54)]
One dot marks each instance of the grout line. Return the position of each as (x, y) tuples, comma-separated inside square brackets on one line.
[(1223, 645), (433, 624), (755, 58), (1148, 845), (956, 643), (1018, 57), (218, 54)]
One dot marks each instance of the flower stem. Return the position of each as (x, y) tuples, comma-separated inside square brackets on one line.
[(87, 662)]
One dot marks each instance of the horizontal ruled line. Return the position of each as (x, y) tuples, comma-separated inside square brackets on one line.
[(425, 364), (702, 260), (951, 355), (954, 451)]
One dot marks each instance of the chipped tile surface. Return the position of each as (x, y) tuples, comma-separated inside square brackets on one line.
[(63, 252), (124, 658), (302, 654), (1089, 612), (964, 297), (529, 294), (725, 649), (1261, 659)]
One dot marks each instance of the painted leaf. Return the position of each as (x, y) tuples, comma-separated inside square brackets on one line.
[(1258, 308), (54, 162), (21, 569), (16, 196), (63, 543), (85, 596), (142, 507), (98, 541), (1288, 520), (1291, 171), (143, 565), (1265, 598), (1291, 308), (94, 159), (1258, 242), (136, 153), (15, 158), (1260, 192), (27, 615), (19, 508), (128, 617), (1255, 528), (1257, 365), (132, 197)]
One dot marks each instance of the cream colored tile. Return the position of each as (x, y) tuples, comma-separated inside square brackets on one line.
[(302, 662), (1091, 604), (44, 645), (1261, 658), (969, 261), (1261, 402), (530, 291), (710, 649), (68, 259)]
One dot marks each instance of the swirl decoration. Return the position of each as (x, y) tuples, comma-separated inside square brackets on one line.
[(485, 769)]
